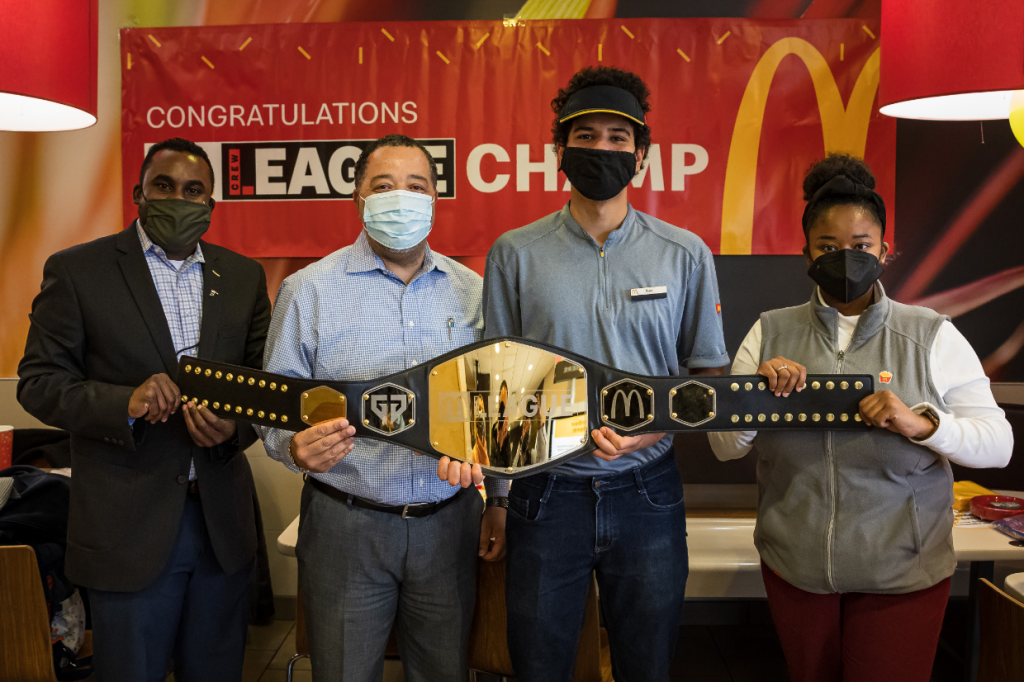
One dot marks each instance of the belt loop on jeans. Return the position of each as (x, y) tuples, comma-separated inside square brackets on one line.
[(547, 488), (639, 479)]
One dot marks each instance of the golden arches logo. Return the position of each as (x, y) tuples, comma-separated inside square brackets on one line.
[(845, 129)]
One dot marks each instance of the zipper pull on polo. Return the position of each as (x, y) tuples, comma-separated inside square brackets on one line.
[(602, 252)]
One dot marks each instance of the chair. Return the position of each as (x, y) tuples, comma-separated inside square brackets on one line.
[(1001, 658), (488, 647), (301, 645), (25, 651)]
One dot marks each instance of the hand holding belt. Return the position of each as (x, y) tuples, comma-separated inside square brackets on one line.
[(429, 408)]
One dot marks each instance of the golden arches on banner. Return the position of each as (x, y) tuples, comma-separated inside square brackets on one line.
[(845, 129)]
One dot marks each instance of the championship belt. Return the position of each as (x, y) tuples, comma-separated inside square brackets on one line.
[(518, 407)]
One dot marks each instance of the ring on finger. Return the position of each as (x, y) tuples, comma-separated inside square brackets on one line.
[(784, 367)]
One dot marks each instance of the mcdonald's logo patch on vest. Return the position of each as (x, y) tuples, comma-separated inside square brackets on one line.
[(885, 377)]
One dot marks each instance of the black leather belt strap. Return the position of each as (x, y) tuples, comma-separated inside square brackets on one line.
[(233, 392), (408, 511)]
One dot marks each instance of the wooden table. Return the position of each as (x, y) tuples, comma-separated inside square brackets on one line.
[(288, 538)]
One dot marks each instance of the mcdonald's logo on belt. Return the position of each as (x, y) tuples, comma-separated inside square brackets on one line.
[(626, 405), (627, 399)]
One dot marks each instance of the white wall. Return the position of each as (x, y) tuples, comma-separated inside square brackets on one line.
[(278, 489), (11, 413)]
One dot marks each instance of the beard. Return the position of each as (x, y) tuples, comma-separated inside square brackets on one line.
[(398, 253), (401, 257)]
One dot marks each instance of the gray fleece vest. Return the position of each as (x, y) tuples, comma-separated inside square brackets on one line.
[(855, 511)]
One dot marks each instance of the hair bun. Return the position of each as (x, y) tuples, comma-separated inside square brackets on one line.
[(832, 165)]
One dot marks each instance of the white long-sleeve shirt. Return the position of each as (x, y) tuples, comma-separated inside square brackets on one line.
[(974, 433)]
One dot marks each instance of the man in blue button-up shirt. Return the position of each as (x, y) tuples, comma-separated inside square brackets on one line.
[(363, 312)]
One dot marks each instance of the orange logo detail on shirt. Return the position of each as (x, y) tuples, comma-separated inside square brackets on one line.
[(718, 308), (885, 377)]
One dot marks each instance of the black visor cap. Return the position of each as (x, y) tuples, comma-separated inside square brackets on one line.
[(606, 99)]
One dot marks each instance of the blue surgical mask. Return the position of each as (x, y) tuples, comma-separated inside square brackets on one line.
[(398, 220)]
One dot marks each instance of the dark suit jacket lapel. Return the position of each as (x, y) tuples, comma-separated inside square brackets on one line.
[(140, 283), (214, 287)]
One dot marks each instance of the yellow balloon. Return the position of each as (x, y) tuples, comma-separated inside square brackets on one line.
[(1017, 116)]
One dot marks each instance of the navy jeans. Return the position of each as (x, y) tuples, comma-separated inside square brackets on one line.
[(193, 612), (631, 529)]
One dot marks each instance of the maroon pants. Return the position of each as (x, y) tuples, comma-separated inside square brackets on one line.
[(856, 637)]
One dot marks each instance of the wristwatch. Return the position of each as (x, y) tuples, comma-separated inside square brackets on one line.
[(497, 502), (930, 415)]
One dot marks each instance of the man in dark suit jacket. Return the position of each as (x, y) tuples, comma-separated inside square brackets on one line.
[(161, 525)]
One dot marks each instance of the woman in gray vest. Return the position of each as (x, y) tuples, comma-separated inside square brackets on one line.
[(854, 528)]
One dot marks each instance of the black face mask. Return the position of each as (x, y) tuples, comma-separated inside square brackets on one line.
[(598, 174), (846, 275)]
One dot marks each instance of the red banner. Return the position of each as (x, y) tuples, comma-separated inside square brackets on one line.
[(740, 109)]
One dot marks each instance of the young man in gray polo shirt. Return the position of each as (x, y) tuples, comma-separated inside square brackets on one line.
[(566, 280)]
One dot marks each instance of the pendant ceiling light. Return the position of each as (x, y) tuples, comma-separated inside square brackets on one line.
[(48, 52), (951, 60)]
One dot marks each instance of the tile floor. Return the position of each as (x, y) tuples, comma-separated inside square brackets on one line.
[(272, 646), (705, 653), (724, 642)]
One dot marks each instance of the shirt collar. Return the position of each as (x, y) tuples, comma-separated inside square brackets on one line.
[(614, 237), (148, 245), (363, 259), (826, 318)]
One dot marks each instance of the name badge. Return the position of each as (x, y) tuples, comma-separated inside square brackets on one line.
[(648, 293)]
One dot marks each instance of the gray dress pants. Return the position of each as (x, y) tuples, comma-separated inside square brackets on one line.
[(362, 571)]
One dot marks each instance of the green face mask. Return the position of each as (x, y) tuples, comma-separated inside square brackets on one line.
[(174, 224)]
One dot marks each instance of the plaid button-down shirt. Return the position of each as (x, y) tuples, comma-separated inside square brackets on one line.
[(348, 318), (181, 295)]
